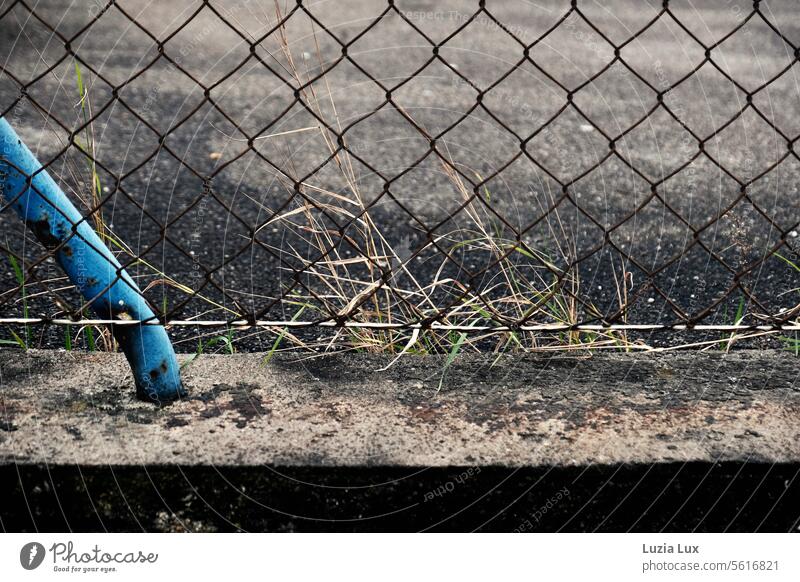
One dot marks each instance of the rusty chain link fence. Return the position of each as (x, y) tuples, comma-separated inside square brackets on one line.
[(414, 175)]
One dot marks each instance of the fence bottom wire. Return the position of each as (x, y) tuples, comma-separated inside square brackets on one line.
[(244, 324)]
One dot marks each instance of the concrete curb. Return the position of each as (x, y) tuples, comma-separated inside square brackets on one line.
[(75, 408)]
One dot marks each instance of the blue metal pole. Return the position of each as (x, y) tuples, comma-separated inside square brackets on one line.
[(109, 290)]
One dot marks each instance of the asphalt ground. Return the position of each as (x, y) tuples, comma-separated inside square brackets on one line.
[(156, 190)]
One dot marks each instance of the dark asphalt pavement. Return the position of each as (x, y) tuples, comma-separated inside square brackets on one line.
[(157, 190)]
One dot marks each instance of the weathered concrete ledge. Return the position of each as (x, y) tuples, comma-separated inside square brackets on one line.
[(63, 408)]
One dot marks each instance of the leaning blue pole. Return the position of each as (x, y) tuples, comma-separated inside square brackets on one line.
[(109, 290)]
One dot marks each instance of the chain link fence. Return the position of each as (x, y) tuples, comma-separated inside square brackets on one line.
[(414, 174)]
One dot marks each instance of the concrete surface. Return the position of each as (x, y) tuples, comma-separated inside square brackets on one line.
[(209, 49), (63, 408)]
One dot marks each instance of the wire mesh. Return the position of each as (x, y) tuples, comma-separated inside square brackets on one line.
[(486, 167)]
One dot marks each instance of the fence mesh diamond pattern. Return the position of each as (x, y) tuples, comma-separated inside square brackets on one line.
[(560, 172)]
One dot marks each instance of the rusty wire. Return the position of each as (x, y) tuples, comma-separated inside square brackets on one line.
[(449, 313)]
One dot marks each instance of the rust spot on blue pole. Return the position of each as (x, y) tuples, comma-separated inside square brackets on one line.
[(109, 290)]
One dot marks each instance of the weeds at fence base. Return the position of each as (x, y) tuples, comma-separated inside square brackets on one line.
[(340, 262)]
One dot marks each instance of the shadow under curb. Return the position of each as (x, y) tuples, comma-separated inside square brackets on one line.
[(670, 497)]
